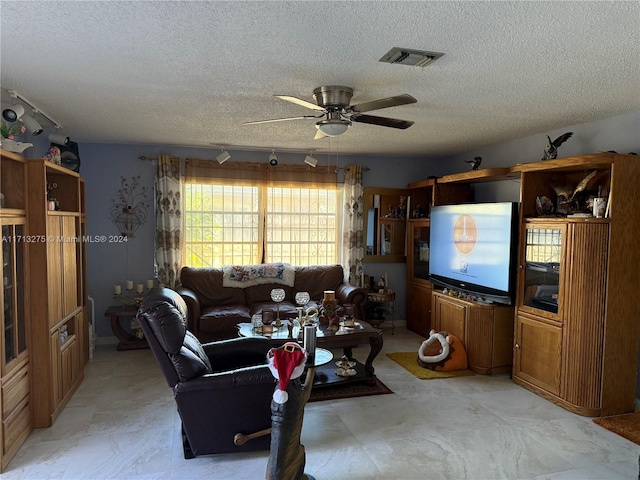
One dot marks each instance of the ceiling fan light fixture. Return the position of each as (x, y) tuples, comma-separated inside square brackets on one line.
[(312, 162), (333, 127), (223, 157)]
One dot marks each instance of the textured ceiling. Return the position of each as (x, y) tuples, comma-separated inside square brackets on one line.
[(190, 73)]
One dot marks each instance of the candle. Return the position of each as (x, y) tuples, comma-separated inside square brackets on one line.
[(149, 284), (139, 288), (129, 284), (117, 289)]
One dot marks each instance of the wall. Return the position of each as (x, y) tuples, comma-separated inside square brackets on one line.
[(109, 264)]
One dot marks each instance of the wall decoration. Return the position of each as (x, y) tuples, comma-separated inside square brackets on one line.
[(129, 209)]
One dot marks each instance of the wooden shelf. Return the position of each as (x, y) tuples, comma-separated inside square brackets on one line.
[(480, 176)]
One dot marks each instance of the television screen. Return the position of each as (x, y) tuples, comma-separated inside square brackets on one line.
[(472, 249)]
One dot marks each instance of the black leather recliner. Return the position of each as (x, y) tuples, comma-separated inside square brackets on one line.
[(222, 389)]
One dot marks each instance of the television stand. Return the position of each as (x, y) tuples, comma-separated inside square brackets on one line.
[(485, 330)]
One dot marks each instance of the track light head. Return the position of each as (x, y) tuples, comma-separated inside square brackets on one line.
[(58, 139), (32, 125), (273, 160), (312, 162), (13, 114), (223, 157)]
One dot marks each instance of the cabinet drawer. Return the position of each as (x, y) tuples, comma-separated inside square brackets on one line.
[(14, 391), (13, 427)]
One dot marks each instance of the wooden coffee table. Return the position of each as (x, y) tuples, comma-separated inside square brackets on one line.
[(345, 338)]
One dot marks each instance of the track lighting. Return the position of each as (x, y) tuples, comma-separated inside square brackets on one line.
[(13, 114), (223, 157), (16, 112), (58, 139), (32, 124), (312, 162), (273, 160)]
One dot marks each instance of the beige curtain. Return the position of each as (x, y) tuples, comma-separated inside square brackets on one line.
[(353, 226), (168, 221)]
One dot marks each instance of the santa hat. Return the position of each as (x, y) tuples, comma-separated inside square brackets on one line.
[(286, 363)]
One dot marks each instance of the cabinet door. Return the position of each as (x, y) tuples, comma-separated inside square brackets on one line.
[(12, 301), (419, 318), (537, 358), (70, 250), (541, 276), (450, 317), (54, 270)]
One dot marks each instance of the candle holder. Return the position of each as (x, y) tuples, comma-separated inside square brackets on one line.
[(277, 295), (132, 296)]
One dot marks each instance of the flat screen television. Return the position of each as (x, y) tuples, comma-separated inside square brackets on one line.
[(473, 249)]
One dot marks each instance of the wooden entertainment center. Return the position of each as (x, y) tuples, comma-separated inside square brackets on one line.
[(44, 344), (580, 350)]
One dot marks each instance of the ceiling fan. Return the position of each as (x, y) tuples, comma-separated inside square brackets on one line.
[(332, 103)]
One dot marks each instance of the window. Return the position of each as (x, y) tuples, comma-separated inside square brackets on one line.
[(240, 221)]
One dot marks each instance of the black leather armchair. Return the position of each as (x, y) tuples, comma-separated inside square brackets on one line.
[(222, 389)]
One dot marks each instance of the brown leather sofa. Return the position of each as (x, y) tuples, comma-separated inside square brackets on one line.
[(216, 310), (223, 390)]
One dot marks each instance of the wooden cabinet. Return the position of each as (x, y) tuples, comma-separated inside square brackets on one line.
[(15, 390), (423, 195), (57, 272), (486, 331), (538, 347), (419, 311), (577, 329)]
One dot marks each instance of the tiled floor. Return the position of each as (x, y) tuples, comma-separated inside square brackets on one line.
[(122, 424)]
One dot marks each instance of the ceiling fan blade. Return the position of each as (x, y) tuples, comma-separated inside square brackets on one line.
[(280, 119), (299, 101), (403, 99), (382, 121)]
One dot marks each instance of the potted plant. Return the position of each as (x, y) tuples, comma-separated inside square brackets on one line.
[(8, 133)]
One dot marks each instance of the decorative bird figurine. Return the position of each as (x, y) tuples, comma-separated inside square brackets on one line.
[(567, 195), (551, 150), (475, 163)]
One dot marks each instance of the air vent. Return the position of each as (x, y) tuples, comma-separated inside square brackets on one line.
[(406, 56)]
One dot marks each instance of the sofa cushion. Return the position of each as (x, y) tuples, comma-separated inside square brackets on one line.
[(207, 285), (318, 278), (224, 318)]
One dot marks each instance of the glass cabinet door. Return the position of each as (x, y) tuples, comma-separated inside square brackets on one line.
[(420, 253), (543, 251), (13, 302)]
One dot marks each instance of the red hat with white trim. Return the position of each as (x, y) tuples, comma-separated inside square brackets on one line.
[(286, 363)]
